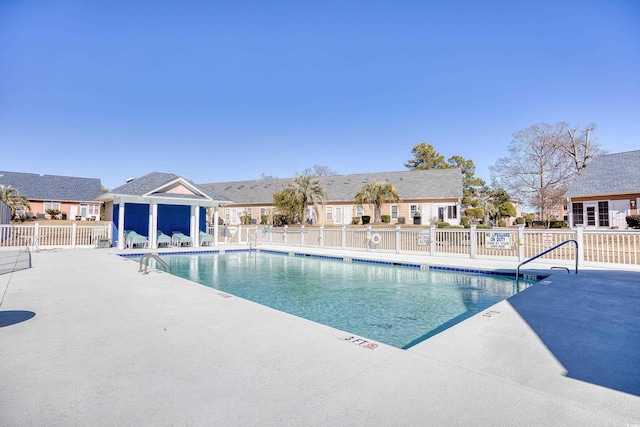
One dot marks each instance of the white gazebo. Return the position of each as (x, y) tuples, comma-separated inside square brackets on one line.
[(160, 202)]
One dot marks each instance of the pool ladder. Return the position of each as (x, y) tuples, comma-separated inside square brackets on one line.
[(159, 261), (546, 252)]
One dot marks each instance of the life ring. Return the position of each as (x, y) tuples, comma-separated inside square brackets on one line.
[(375, 239)]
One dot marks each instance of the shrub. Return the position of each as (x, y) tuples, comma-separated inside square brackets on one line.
[(355, 220), (386, 218), (53, 212), (366, 219), (519, 220), (633, 221), (502, 223), (483, 227), (264, 219), (557, 224), (443, 225), (464, 221), (539, 224)]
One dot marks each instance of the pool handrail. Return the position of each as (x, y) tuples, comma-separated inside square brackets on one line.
[(546, 252), (146, 257)]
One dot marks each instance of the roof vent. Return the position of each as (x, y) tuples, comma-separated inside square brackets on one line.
[(128, 180)]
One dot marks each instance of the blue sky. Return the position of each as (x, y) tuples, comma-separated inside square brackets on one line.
[(229, 90)]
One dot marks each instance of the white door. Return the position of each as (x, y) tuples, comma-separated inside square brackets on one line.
[(619, 211), (73, 211), (338, 216), (348, 213)]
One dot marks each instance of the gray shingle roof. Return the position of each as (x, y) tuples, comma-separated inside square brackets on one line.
[(154, 180), (419, 184), (52, 187), (617, 173)]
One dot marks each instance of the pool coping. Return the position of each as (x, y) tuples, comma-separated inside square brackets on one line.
[(534, 277)]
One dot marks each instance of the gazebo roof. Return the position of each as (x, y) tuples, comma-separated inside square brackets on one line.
[(167, 186)]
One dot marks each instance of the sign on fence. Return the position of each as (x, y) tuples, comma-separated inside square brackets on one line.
[(547, 240), (498, 240), (424, 237)]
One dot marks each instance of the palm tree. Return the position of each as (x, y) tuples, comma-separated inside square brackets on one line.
[(13, 199), (376, 194), (309, 190)]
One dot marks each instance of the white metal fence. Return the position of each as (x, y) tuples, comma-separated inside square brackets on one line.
[(595, 247), (36, 235)]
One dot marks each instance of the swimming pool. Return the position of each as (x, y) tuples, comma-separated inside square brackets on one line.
[(395, 305)]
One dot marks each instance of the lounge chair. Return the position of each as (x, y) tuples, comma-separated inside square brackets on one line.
[(162, 239), (205, 238), (179, 239), (133, 239)]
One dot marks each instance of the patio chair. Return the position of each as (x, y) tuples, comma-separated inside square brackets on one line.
[(163, 239), (180, 239), (133, 239), (205, 239)]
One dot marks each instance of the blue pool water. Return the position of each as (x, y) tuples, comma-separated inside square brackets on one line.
[(395, 305)]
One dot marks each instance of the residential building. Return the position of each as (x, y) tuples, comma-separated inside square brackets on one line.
[(607, 191), (72, 196), (431, 195)]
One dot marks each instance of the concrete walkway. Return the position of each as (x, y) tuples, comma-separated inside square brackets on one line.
[(87, 340)]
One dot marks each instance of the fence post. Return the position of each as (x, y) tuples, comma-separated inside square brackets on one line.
[(473, 241), (432, 240), (368, 237), (239, 233), (343, 244), (73, 235), (302, 235), (520, 242), (398, 239), (580, 240), (320, 239), (284, 235)]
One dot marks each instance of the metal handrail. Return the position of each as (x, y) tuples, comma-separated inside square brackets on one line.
[(546, 252), (145, 258)]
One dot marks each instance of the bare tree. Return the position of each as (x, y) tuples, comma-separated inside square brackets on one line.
[(578, 147), (319, 170), (537, 169)]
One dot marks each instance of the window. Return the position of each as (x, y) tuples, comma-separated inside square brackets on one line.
[(394, 211), (578, 214), (414, 210), (452, 212), (249, 212), (51, 205), (359, 210), (329, 213), (441, 213), (94, 209), (263, 212), (603, 214)]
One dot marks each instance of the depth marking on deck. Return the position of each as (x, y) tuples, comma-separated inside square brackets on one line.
[(223, 295), (491, 313), (361, 342)]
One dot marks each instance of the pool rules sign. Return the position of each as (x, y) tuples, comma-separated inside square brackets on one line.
[(498, 240)]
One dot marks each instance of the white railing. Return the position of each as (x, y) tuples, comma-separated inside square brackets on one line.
[(40, 236), (595, 247)]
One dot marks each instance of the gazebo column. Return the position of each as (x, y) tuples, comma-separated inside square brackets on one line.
[(216, 215), (121, 241), (194, 231), (153, 225)]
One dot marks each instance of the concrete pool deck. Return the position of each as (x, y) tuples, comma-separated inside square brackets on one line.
[(87, 340)]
